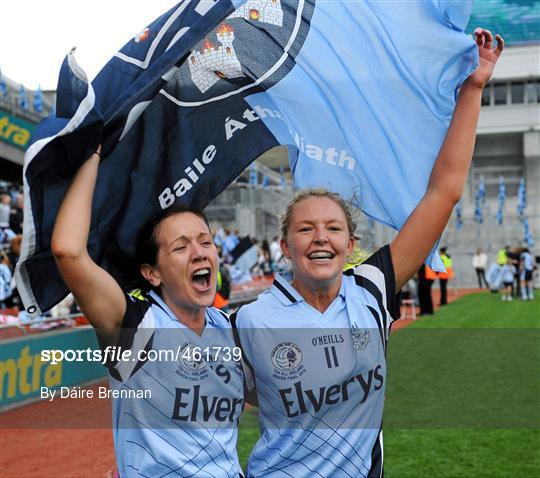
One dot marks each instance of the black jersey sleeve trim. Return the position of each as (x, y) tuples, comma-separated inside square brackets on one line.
[(382, 260), (238, 343), (227, 318), (141, 362), (114, 373), (377, 467), (136, 309), (380, 326), (377, 295)]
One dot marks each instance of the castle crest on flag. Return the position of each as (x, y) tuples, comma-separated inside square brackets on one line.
[(212, 63), (266, 11)]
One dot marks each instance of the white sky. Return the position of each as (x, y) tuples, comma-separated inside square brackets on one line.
[(35, 35)]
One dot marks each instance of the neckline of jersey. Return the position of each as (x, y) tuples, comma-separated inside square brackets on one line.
[(159, 302), (288, 295)]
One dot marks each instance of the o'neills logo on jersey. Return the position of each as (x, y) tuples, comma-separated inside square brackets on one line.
[(287, 361), (192, 406), (297, 400)]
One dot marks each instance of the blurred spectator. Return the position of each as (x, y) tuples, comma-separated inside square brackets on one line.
[(223, 293), (501, 255), (6, 235), (479, 263), (5, 210), (13, 254), (527, 267), (514, 255), (508, 272), (219, 236), (230, 241), (16, 215), (410, 291), (426, 276), (283, 268), (221, 301), (444, 277), (244, 257), (265, 247), (275, 250), (14, 251), (264, 264), (6, 290)]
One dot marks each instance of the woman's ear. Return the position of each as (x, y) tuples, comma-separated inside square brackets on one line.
[(151, 275), (285, 248), (351, 246)]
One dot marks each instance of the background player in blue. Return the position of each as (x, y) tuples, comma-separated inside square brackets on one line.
[(317, 346), (176, 415), (526, 274)]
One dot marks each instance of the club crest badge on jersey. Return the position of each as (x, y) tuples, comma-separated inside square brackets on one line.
[(191, 365), (360, 338), (287, 361)]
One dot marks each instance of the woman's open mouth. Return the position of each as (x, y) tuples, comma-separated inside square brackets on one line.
[(201, 279), (321, 257)]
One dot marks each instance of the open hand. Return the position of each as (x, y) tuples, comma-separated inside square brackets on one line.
[(488, 57)]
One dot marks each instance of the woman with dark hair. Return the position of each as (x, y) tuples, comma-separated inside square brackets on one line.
[(179, 393), (317, 346)]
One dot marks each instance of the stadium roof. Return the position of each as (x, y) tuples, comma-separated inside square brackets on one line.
[(518, 21)]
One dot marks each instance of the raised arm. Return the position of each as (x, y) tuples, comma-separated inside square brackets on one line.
[(428, 220), (99, 296)]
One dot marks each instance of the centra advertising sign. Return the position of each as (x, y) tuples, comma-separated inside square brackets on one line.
[(14, 130), (25, 370)]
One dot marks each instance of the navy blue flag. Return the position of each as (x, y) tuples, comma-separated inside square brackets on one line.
[(362, 92)]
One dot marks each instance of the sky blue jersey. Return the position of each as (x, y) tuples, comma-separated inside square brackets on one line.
[(527, 260), (320, 377), (186, 422)]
